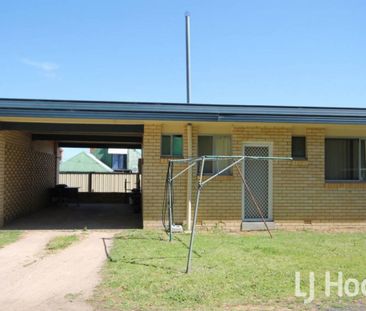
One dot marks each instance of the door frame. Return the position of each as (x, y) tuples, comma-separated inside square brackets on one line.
[(270, 180)]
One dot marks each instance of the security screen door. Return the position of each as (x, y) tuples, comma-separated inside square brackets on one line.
[(258, 175)]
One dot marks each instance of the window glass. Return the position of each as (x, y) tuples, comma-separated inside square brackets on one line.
[(363, 160), (115, 161), (172, 145), (124, 161), (215, 145), (165, 145), (177, 145), (222, 146), (342, 159), (298, 147), (205, 147), (119, 161)]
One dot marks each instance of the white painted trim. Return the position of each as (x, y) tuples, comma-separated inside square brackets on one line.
[(270, 178), (117, 151)]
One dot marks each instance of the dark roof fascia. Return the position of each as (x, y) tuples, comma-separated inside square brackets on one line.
[(179, 112)]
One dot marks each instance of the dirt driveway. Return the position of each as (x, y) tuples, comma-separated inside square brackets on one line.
[(34, 279)]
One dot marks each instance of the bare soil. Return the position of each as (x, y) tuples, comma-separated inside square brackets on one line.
[(33, 279)]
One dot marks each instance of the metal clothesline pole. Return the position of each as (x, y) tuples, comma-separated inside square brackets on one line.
[(170, 181), (223, 170), (193, 161), (199, 189), (185, 160), (185, 169)]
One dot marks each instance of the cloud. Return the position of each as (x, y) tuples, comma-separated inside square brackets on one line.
[(49, 69)]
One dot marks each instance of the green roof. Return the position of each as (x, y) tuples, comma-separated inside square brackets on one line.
[(84, 162), (102, 155)]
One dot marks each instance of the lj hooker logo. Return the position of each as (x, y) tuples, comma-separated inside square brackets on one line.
[(340, 287)]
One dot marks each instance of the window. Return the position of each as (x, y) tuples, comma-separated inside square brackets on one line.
[(298, 147), (345, 159), (215, 145), (172, 145), (119, 162)]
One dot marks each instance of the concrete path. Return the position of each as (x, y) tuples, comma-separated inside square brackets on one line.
[(33, 279)]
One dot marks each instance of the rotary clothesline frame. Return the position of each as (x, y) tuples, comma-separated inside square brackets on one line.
[(191, 163)]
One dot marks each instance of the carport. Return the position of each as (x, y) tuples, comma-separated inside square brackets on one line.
[(30, 161)]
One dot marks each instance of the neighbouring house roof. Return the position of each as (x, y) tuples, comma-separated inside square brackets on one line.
[(178, 112), (84, 162), (102, 155)]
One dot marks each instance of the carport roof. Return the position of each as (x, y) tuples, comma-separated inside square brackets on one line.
[(71, 109)]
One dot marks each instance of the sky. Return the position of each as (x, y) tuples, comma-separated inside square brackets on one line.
[(270, 52)]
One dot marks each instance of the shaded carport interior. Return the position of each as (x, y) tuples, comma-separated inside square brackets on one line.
[(105, 215)]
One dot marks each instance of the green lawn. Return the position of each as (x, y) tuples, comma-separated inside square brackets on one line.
[(61, 242), (7, 237), (229, 270)]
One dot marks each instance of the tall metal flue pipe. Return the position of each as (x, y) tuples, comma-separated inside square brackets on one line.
[(188, 56)]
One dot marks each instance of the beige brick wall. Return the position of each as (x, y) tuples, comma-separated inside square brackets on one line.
[(300, 193), (153, 180), (2, 177), (27, 174)]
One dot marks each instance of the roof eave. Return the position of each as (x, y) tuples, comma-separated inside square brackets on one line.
[(189, 117)]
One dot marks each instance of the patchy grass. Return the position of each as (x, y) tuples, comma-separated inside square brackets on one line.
[(61, 242), (7, 237), (231, 271)]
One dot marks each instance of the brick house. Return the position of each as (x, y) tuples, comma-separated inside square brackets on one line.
[(118, 159), (324, 184)]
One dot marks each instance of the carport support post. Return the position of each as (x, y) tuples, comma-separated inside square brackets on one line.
[(199, 189), (90, 187)]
